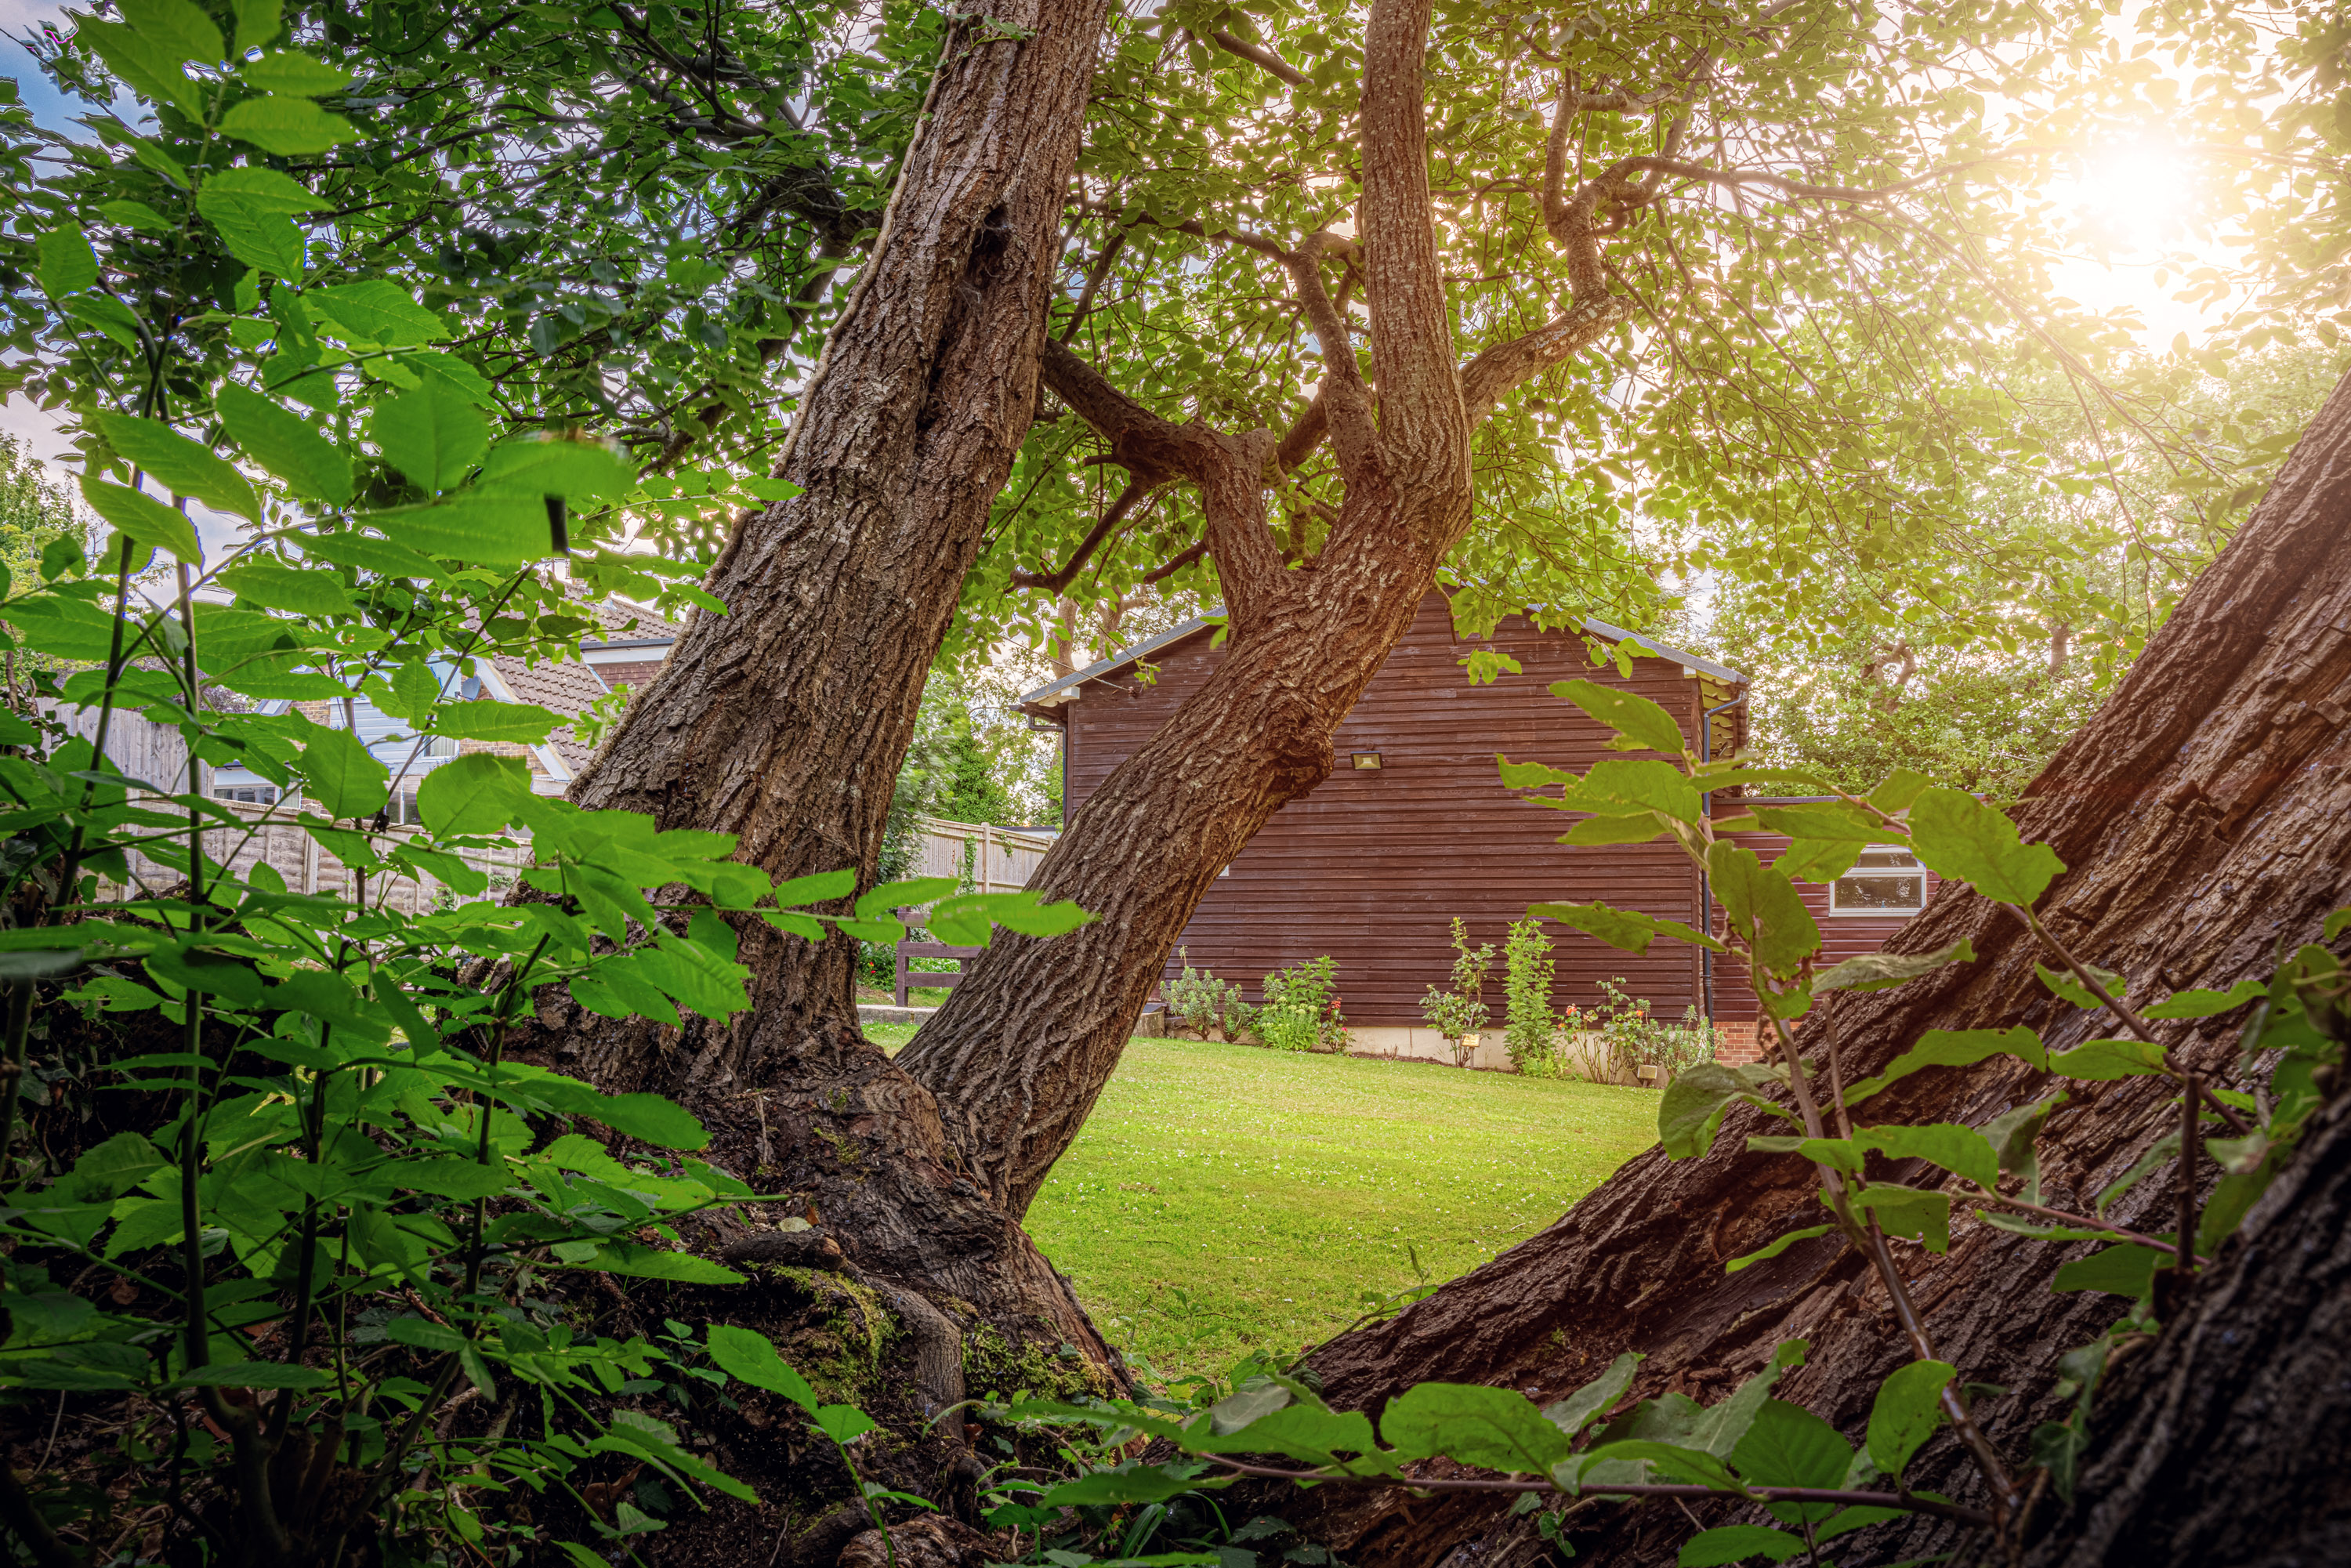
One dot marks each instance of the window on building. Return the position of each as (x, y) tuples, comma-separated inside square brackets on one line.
[(248, 794), (1885, 881), (401, 809), (440, 745)]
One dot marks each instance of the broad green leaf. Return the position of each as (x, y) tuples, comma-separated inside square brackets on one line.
[(2101, 1060), (751, 1357), (109, 315), (69, 627), (1587, 1403), (1777, 1246), (1729, 1543), (697, 979), (1024, 913), (1954, 1048), (2127, 1270), (288, 127), (226, 636), (142, 517), (2067, 985), (579, 470), (844, 1424), (373, 311), (1626, 928), (1908, 1409), (2211, 1004), (66, 263), (475, 793), (294, 73), (343, 777), (1310, 1432), (1691, 1110), (1922, 1217), (640, 1262), (1763, 906), (1818, 859), (485, 530), (214, 974), (1884, 971), (1602, 830), (1531, 775), (1962, 839), (1788, 1446), (1831, 819), (1133, 1482), (1847, 1520), (286, 445), (187, 467), (149, 69), (887, 898), (819, 888), (1495, 1428), (114, 1167), (1899, 790), (432, 435), (1721, 1428), (1621, 786), (370, 553), (2016, 1135), (649, 1118), (257, 23), (314, 590), (1641, 723), (177, 27), (257, 233), (525, 724), (253, 1374), (1960, 1150), (454, 1178)]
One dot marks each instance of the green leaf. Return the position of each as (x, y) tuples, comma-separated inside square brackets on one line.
[(286, 445), (2210, 1004), (1962, 839), (475, 792), (432, 435), (579, 470), (822, 886), (187, 467), (487, 530), (844, 1424), (1831, 819), (178, 27), (69, 627), (1922, 1217), (1602, 830), (1617, 787), (1641, 723), (422, 1334), (1777, 1246), (1908, 1409), (1133, 1482), (1587, 1403), (456, 1179), (344, 778), (1954, 1048), (1763, 906), (1729, 1543), (2016, 1135), (148, 69), (372, 312), (1691, 1110), (2337, 924), (2066, 984), (288, 127), (299, 75), (255, 232), (1960, 1150), (1626, 928), (1884, 971), (883, 900), (214, 974), (109, 315), (1818, 859), (649, 1118), (2103, 1060), (522, 724), (1788, 1446), (65, 262), (2127, 1270), (273, 585), (141, 517), (1900, 789), (368, 553), (110, 1169), (751, 1357), (639, 1262), (1495, 1428), (253, 1374), (257, 23)]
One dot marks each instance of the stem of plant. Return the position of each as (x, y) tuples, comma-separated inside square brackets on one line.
[(2061, 1217)]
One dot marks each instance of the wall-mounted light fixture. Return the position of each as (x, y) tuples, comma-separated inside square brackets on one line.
[(1367, 761)]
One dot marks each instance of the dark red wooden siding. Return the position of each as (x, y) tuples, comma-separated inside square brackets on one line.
[(1370, 867)]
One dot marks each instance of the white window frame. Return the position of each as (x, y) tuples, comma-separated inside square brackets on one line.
[(1882, 914)]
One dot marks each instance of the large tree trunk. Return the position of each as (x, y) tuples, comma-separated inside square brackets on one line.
[(2222, 1445), (2203, 817), (784, 720)]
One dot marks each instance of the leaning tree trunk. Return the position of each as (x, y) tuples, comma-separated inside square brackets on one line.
[(2221, 1445), (784, 720), (2205, 818)]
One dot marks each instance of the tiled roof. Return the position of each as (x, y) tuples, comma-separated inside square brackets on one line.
[(566, 688), (625, 620)]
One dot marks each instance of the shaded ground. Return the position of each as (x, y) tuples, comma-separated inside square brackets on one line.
[(1223, 1198)]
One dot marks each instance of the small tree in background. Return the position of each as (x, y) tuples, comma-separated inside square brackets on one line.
[(1459, 1013), (1532, 1031)]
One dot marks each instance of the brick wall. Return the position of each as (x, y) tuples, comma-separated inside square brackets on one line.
[(1738, 1045)]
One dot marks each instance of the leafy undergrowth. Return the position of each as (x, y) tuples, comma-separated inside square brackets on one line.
[(1224, 1199)]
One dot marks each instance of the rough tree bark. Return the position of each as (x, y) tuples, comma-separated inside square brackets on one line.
[(1024, 1045), (2205, 818), (784, 720)]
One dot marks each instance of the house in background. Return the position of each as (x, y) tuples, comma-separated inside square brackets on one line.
[(631, 651), (1414, 826)]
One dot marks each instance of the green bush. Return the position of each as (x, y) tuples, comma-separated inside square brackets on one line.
[(1302, 1008), (1459, 1013), (1532, 1033)]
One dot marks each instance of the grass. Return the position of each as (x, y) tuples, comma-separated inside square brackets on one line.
[(1223, 1198)]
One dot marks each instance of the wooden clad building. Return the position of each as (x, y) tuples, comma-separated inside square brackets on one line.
[(1413, 826)]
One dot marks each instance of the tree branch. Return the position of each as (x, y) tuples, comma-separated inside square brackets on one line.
[(1136, 489), (1507, 365), (1265, 59), (1346, 399)]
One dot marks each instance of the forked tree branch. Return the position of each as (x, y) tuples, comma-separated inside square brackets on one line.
[(1266, 60), (1054, 583)]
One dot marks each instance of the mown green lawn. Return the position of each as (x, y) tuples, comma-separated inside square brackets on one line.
[(1222, 1198)]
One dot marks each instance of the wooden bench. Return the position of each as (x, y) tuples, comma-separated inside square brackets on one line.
[(942, 979)]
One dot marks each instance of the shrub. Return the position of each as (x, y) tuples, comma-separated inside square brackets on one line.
[(1532, 1031), (1634, 1039), (1461, 1012), (1302, 1008), (1200, 1001)]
